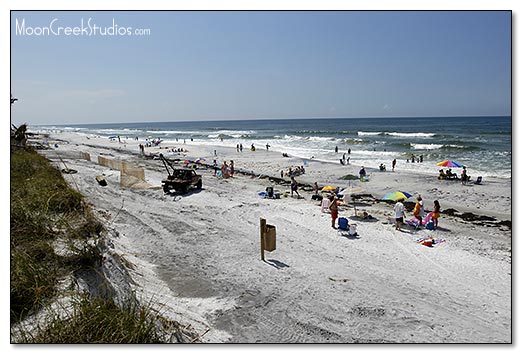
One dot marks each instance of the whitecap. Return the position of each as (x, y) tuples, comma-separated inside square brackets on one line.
[(426, 146)]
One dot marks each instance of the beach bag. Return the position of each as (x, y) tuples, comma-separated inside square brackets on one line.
[(430, 226), (353, 230), (343, 223)]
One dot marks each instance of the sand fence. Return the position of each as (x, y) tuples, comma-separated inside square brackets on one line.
[(130, 175)]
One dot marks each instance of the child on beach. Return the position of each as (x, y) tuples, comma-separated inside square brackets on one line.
[(435, 215), (399, 214), (418, 210), (334, 209)]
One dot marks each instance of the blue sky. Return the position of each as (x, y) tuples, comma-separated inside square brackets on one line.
[(248, 65)]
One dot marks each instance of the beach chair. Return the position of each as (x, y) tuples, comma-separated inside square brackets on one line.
[(343, 223), (479, 180)]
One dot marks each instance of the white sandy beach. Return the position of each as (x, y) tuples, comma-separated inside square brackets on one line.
[(198, 255)]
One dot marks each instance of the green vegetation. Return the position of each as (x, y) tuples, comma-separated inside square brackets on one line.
[(97, 320), (45, 213), (41, 204)]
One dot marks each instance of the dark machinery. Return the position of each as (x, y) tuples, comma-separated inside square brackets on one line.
[(180, 179)]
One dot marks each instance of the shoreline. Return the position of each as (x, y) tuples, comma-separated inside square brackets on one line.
[(496, 191)]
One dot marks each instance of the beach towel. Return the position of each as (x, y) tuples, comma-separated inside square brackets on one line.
[(429, 241)]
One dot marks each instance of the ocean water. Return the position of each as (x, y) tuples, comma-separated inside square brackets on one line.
[(482, 144)]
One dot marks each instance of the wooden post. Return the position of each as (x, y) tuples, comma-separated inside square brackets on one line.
[(262, 229)]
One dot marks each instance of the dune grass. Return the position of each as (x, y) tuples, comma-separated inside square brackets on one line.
[(101, 321), (40, 201), (44, 209)]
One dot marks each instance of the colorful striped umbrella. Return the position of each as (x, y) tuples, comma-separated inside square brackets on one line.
[(449, 163), (396, 195)]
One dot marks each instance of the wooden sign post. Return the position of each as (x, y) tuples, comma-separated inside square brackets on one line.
[(262, 228), (268, 237)]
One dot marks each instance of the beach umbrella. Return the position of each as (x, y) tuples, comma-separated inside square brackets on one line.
[(328, 188), (396, 195), (449, 163), (353, 190)]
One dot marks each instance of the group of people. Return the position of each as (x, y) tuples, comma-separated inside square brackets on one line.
[(449, 175), (415, 158), (293, 171), (344, 160), (226, 170), (418, 213), (239, 147), (382, 167)]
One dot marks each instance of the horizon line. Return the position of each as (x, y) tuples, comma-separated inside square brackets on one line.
[(294, 118)]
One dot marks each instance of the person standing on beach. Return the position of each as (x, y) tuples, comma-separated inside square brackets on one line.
[(464, 175), (316, 188), (418, 211), (224, 170), (293, 187), (240, 147), (399, 214), (435, 214), (334, 209), (394, 162), (349, 151), (237, 147), (336, 149), (215, 166)]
